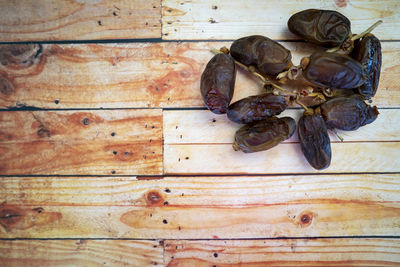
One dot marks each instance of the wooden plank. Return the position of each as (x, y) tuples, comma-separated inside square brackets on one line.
[(205, 127), (234, 19), (137, 75), (81, 142), (200, 207), (80, 253), (79, 20), (190, 135), (298, 252), (285, 158)]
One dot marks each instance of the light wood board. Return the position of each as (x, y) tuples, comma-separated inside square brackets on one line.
[(138, 75), (80, 252), (200, 207), (230, 20), (45, 20), (81, 142), (298, 252)]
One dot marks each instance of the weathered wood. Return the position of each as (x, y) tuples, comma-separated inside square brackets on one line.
[(200, 207), (205, 127), (79, 20), (80, 253), (136, 75), (285, 158), (233, 19), (81, 142), (298, 252)]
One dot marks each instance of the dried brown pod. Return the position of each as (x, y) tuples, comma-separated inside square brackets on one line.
[(347, 113), (327, 28), (333, 70), (264, 134), (255, 108), (218, 82), (270, 57), (314, 140), (367, 51)]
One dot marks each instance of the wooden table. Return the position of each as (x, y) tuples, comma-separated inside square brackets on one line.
[(108, 156)]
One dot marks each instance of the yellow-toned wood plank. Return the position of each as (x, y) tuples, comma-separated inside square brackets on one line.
[(203, 126), (297, 252), (200, 207), (233, 19), (284, 158), (46, 20), (137, 75), (81, 142), (80, 253)]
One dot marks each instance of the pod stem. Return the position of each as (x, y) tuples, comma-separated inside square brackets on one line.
[(361, 35), (250, 69), (306, 109), (337, 135), (235, 146), (355, 37)]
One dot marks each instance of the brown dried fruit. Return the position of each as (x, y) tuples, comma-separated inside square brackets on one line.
[(314, 140), (255, 108), (264, 135), (268, 56), (218, 82), (368, 53), (333, 70), (322, 27), (347, 113)]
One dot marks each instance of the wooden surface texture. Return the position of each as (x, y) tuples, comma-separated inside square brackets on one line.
[(108, 156), (47, 20), (138, 75)]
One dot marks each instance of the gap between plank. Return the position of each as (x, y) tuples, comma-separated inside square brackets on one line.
[(211, 239), (149, 40)]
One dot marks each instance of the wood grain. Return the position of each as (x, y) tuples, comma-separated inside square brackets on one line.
[(200, 207), (234, 19), (205, 127), (45, 20), (298, 252), (137, 75), (80, 253), (81, 142)]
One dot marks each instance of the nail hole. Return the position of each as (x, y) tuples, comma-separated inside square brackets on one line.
[(305, 219), (56, 101), (112, 134), (165, 221), (115, 152), (215, 255), (113, 172), (85, 121), (167, 190)]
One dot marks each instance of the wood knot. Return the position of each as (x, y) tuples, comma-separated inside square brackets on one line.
[(306, 218), (10, 216), (43, 132), (6, 87), (19, 55), (13, 217), (154, 198)]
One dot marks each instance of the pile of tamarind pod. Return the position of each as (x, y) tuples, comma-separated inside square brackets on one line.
[(340, 79)]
